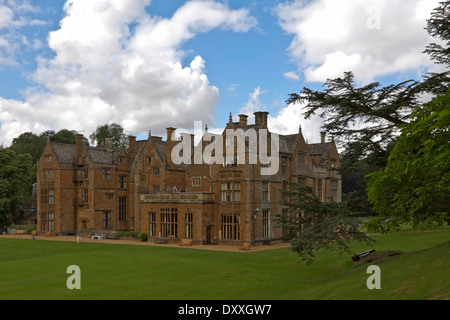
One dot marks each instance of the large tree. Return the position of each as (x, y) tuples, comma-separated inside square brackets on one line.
[(373, 114), (412, 185), (415, 184), (439, 27), (14, 182), (64, 136), (113, 131), (312, 225), (356, 164), (30, 143)]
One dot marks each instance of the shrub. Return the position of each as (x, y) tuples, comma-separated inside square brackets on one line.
[(30, 229), (127, 234), (142, 236)]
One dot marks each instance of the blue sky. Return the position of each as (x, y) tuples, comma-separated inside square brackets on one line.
[(149, 64)]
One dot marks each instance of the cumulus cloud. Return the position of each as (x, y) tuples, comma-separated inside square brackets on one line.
[(252, 105), (286, 121), (254, 102), (375, 38), (289, 120), (114, 62), (292, 75)]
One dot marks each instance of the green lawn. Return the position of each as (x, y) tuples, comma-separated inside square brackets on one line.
[(37, 270)]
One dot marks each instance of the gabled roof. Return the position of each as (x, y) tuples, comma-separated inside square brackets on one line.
[(288, 142), (161, 148), (322, 150), (99, 155), (65, 153)]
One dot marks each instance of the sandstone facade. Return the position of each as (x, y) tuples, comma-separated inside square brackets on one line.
[(146, 189)]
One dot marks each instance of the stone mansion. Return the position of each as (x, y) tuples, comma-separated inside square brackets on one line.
[(143, 189)]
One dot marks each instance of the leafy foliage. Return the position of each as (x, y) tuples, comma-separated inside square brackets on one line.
[(357, 161), (30, 143), (438, 26), (313, 225), (14, 182), (370, 114), (415, 186), (113, 131)]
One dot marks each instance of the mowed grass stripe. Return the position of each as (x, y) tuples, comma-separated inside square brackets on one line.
[(37, 270)]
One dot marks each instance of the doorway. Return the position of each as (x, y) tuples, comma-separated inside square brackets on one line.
[(208, 234)]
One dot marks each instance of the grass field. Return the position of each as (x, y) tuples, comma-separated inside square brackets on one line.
[(37, 270)]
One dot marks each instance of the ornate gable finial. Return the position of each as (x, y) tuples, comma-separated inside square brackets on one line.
[(231, 117), (206, 127)]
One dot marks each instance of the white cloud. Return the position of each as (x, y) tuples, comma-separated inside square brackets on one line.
[(254, 102), (116, 63), (6, 16), (292, 75), (371, 39), (286, 121), (252, 105), (289, 119)]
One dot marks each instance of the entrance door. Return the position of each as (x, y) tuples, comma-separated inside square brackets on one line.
[(208, 234)]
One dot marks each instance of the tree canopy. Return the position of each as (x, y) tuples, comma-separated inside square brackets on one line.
[(312, 225), (14, 182), (373, 114), (113, 131), (439, 27), (397, 148), (415, 184)]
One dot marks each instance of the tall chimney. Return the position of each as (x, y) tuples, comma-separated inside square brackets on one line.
[(108, 144), (264, 119), (79, 144), (258, 118), (322, 136), (243, 120), (132, 147), (132, 144), (170, 143)]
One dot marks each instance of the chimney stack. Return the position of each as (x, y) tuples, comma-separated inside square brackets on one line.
[(132, 147), (169, 146), (79, 144), (132, 144), (243, 120), (264, 119), (108, 144), (322, 136), (258, 119)]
